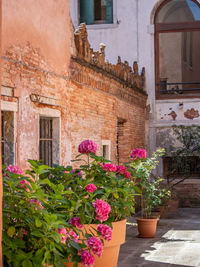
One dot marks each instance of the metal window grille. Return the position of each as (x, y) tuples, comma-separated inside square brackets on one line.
[(46, 141)]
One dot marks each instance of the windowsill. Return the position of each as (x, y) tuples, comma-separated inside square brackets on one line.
[(102, 26)]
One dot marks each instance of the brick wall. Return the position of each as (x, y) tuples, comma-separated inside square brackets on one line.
[(97, 103)]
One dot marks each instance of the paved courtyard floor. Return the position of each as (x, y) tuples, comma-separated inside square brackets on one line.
[(177, 243)]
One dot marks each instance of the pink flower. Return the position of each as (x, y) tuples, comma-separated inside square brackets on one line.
[(14, 169), (87, 146), (63, 233), (90, 188), (138, 153), (37, 204), (24, 232), (106, 231), (87, 259), (102, 209), (127, 175), (75, 221), (72, 236), (122, 170), (96, 245), (79, 173), (23, 184), (109, 167)]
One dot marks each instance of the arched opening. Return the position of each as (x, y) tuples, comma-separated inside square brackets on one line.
[(177, 53)]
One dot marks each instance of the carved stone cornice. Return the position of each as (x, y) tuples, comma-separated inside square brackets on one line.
[(96, 59)]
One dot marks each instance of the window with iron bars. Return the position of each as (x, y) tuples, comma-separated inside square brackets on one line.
[(46, 140)]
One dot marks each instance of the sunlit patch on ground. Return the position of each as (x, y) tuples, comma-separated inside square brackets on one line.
[(177, 247)]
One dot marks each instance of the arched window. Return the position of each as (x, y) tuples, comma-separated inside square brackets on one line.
[(177, 49)]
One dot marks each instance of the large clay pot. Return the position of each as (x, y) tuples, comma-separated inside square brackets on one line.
[(147, 227), (111, 248)]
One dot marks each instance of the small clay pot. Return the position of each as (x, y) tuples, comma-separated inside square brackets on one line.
[(147, 227)]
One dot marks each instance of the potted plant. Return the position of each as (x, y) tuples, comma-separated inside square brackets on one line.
[(103, 196), (151, 191)]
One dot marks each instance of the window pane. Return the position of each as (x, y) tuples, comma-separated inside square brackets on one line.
[(179, 11), (87, 11), (179, 61)]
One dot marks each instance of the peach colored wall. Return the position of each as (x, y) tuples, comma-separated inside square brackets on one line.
[(36, 55), (42, 23)]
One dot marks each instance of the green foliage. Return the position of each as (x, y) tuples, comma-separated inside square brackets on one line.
[(111, 187), (30, 224), (151, 191)]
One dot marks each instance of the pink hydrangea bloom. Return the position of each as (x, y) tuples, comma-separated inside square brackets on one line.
[(63, 233), (23, 184), (87, 259), (109, 167), (75, 221), (72, 236), (37, 204), (127, 175), (102, 209), (122, 170), (14, 169), (96, 245), (106, 231), (138, 153), (87, 146), (90, 188)]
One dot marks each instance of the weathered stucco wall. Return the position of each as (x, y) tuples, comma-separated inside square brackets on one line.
[(36, 56)]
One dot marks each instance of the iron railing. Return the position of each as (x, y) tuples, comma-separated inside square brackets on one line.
[(174, 88)]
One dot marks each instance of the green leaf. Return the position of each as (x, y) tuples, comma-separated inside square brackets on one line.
[(75, 245), (11, 231), (37, 233), (27, 263), (38, 223), (56, 237)]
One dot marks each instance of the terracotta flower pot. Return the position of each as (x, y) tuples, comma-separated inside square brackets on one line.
[(147, 227), (111, 248)]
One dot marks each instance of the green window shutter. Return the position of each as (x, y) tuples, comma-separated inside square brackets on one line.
[(87, 11), (109, 11)]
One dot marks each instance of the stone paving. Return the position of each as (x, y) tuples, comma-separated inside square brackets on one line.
[(177, 243)]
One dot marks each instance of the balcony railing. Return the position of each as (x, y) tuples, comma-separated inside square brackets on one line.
[(177, 87)]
